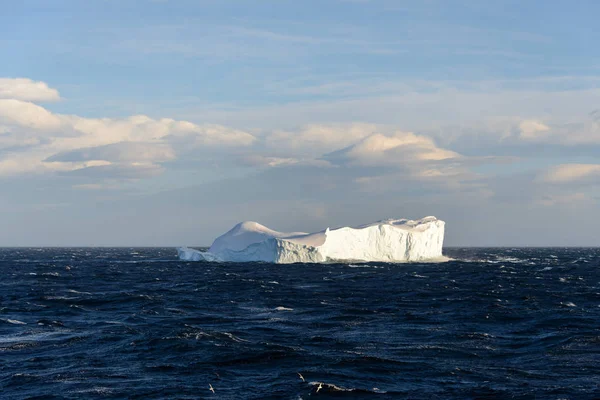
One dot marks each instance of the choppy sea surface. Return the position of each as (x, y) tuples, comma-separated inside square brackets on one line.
[(138, 323)]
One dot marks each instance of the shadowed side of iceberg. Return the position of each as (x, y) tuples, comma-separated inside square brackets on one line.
[(273, 250), (187, 254)]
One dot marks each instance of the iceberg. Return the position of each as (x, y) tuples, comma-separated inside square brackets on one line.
[(392, 240)]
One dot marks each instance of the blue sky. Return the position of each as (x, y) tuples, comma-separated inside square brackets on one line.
[(140, 122)]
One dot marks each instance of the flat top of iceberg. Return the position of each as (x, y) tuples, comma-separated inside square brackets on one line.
[(403, 223)]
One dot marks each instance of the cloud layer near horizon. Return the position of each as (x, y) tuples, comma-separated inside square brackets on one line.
[(35, 140)]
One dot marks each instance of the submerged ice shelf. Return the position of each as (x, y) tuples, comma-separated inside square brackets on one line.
[(392, 240)]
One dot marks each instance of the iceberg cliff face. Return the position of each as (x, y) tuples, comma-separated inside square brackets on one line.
[(388, 241)]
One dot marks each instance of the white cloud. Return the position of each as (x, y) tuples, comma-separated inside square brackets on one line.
[(582, 131), (209, 134), (141, 128), (27, 115), (399, 149), (27, 90), (532, 129), (39, 141), (35, 140), (382, 161), (571, 173), (320, 138), (492, 132)]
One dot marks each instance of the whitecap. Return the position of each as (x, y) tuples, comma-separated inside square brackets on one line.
[(234, 338), (284, 309), (100, 390), (75, 291), (328, 387), (16, 322)]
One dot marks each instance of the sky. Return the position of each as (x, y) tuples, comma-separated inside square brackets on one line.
[(166, 122)]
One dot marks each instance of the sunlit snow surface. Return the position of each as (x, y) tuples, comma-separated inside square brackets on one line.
[(141, 324), (393, 240)]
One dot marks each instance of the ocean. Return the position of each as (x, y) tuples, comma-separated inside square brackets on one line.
[(137, 323)]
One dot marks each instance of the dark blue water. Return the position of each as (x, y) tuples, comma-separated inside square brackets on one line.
[(139, 324)]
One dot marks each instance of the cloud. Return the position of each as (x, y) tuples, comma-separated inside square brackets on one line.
[(27, 90), (125, 171), (375, 157), (319, 138), (568, 199), (123, 160), (417, 105), (24, 114), (572, 173), (28, 161), (521, 136), (383, 162), (141, 128), (368, 152), (398, 149), (208, 135), (532, 129), (118, 152), (36, 140), (582, 131), (96, 186), (257, 160)]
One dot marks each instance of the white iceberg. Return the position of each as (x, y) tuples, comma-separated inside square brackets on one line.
[(393, 240)]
